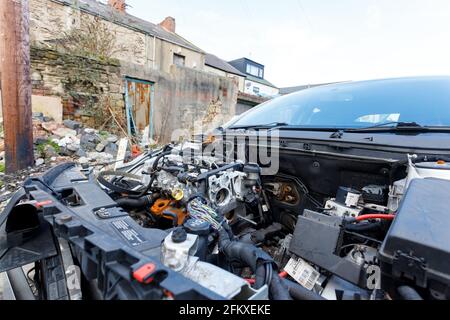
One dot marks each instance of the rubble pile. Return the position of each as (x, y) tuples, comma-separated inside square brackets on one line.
[(56, 143)]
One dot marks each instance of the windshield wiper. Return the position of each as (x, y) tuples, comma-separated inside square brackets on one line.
[(283, 126), (391, 127), (412, 127), (261, 126)]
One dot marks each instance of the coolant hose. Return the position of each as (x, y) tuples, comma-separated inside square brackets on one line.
[(244, 253), (128, 203), (173, 216), (299, 292), (408, 293), (258, 260)]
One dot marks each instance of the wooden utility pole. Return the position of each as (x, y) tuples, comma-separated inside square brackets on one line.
[(15, 84)]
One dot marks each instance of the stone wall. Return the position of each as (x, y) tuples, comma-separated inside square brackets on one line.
[(183, 99), (82, 83), (51, 21)]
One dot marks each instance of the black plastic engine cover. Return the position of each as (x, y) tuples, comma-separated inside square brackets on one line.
[(316, 239), (417, 247), (108, 244)]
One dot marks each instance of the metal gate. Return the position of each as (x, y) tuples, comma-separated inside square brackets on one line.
[(139, 106)]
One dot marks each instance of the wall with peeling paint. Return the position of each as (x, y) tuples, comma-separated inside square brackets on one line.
[(186, 99)]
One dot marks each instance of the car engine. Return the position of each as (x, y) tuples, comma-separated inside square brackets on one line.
[(188, 226)]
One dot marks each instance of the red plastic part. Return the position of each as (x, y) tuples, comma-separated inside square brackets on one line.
[(144, 273), (43, 203), (283, 275), (136, 151)]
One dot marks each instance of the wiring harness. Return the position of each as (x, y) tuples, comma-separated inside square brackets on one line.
[(199, 210)]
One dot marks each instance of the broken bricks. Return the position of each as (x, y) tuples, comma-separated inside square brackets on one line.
[(71, 140)]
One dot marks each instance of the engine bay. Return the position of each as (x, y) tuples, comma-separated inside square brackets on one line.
[(219, 229), (330, 246)]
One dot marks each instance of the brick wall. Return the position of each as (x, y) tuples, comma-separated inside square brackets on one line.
[(81, 83)]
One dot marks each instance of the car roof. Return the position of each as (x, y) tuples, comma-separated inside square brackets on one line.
[(383, 82)]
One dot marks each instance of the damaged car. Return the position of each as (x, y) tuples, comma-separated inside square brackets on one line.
[(356, 209)]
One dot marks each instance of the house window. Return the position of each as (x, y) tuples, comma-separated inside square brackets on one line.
[(179, 60), (255, 71)]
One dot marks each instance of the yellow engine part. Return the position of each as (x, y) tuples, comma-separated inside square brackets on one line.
[(178, 194)]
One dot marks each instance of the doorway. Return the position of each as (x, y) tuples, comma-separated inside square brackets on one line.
[(139, 96)]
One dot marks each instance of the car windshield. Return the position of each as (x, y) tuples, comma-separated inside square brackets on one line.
[(425, 101)]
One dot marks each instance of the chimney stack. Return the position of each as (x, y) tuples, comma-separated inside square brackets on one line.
[(119, 5), (169, 24)]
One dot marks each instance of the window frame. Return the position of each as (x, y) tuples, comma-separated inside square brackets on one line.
[(179, 57), (260, 70)]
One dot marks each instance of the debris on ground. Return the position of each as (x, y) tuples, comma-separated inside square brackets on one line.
[(70, 139), (56, 143)]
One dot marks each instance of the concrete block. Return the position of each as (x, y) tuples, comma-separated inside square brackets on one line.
[(49, 106)]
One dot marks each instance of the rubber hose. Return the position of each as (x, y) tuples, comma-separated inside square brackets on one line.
[(162, 155), (128, 203), (111, 186), (258, 260), (408, 293), (278, 289), (299, 292), (245, 253), (260, 275)]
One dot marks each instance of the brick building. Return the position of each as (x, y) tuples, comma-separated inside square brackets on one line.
[(94, 62)]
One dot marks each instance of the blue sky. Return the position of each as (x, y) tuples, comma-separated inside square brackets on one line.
[(316, 41)]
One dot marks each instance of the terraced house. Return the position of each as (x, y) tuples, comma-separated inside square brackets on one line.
[(96, 63)]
